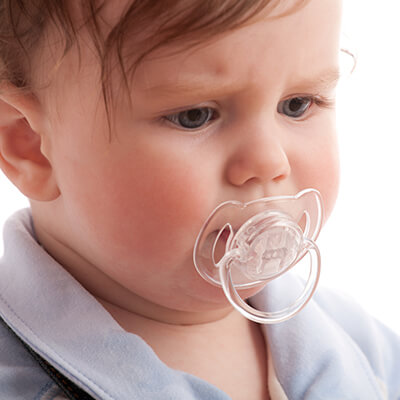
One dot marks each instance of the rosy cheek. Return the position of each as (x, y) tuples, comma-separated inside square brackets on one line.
[(329, 177), (325, 178), (320, 169), (165, 206)]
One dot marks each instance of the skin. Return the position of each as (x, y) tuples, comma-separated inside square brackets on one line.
[(122, 217)]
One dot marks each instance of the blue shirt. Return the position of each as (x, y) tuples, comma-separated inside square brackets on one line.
[(331, 350)]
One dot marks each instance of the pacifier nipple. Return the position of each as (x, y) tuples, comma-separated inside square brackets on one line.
[(271, 236)]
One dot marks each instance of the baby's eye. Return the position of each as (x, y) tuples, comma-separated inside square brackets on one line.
[(295, 107), (193, 118)]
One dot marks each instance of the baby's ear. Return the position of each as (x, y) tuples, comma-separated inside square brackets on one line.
[(22, 157)]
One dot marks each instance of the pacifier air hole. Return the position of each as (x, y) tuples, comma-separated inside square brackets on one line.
[(216, 242)]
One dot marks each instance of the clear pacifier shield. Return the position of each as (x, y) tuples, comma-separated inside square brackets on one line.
[(244, 245), (260, 240)]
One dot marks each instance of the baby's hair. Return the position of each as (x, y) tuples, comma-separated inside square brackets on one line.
[(146, 24)]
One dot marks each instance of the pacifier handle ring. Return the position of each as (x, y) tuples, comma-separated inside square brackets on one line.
[(264, 317)]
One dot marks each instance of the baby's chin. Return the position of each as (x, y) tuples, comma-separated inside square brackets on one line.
[(183, 299), (205, 297)]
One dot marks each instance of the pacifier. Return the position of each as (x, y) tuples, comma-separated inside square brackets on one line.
[(243, 245)]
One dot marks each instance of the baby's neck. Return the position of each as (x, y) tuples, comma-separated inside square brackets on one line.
[(135, 322), (144, 312), (229, 352)]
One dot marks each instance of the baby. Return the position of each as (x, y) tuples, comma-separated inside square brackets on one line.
[(126, 123)]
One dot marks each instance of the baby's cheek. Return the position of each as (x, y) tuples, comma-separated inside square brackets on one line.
[(328, 178), (166, 210), (321, 171)]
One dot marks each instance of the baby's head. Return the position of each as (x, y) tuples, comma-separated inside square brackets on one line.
[(127, 126)]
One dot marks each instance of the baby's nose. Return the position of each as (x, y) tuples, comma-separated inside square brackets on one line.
[(262, 158)]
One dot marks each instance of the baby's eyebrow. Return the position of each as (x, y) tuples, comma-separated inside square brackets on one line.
[(196, 85), (209, 86), (324, 80)]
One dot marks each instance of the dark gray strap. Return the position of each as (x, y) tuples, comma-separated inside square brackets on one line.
[(69, 388)]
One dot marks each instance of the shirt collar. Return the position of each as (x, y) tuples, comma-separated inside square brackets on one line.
[(312, 354)]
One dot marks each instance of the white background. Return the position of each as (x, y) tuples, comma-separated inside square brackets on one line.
[(361, 242)]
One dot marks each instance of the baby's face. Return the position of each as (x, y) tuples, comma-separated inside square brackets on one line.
[(233, 119)]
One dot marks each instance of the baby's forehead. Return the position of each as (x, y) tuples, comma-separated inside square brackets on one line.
[(137, 28), (123, 33), (157, 30), (129, 29)]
